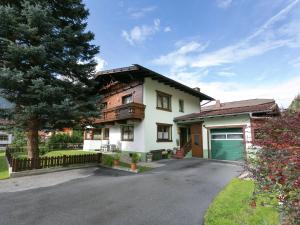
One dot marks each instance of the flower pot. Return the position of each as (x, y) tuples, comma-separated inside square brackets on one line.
[(133, 166), (116, 162)]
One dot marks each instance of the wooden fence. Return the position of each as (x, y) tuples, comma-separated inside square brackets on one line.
[(54, 161)]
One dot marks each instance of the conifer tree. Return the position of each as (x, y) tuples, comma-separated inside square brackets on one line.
[(46, 65)]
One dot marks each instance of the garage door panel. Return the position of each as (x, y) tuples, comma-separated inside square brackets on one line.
[(227, 144)]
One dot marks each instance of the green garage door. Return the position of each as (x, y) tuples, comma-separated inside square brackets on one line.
[(227, 144)]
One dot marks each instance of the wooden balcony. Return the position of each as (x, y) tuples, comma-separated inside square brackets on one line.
[(135, 111)]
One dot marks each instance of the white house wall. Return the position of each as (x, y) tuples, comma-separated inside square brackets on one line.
[(223, 122), (136, 145), (153, 115)]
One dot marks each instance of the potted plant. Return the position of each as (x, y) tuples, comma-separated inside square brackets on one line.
[(134, 160), (117, 157)]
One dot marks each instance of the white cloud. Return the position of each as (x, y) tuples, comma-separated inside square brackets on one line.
[(141, 12), (224, 3), (283, 92), (180, 57), (167, 29), (262, 40), (226, 74), (139, 34), (101, 63)]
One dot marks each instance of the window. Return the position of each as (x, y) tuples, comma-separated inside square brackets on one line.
[(3, 137), (163, 101), (127, 99), (88, 135), (164, 132), (181, 105), (106, 134), (196, 139), (127, 133), (227, 136), (97, 134), (103, 105)]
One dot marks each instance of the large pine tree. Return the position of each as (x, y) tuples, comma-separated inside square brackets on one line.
[(46, 65)]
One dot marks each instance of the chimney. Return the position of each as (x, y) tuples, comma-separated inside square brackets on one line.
[(218, 104), (197, 89)]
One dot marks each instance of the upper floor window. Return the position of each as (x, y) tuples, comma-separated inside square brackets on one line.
[(103, 105), (163, 101), (181, 105), (127, 99), (127, 133)]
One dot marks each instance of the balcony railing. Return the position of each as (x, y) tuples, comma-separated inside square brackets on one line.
[(127, 111)]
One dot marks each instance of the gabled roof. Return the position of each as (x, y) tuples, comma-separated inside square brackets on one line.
[(234, 108), (137, 72)]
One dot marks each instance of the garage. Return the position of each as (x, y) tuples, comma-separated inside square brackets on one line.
[(227, 144)]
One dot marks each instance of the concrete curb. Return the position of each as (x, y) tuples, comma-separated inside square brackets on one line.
[(238, 163), (120, 168), (50, 170)]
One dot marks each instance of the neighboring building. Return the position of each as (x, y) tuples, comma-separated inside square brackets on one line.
[(138, 110), (5, 138), (227, 129)]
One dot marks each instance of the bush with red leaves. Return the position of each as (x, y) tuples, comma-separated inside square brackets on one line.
[(276, 165)]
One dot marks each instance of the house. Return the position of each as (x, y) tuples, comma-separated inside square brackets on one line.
[(229, 128), (5, 137), (138, 108)]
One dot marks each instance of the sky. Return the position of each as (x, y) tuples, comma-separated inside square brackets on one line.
[(231, 49)]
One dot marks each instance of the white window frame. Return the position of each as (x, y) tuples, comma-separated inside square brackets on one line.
[(222, 139)]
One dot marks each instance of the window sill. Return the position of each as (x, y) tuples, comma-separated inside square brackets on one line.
[(164, 140), (131, 140), (163, 109)]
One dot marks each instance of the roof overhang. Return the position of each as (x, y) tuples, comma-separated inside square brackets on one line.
[(137, 72)]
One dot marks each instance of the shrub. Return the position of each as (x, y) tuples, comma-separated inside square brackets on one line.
[(61, 140), (276, 167), (135, 158), (117, 156), (107, 160)]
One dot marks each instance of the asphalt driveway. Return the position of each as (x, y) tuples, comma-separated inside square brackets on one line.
[(178, 193)]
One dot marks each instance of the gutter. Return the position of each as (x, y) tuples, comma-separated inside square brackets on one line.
[(232, 114)]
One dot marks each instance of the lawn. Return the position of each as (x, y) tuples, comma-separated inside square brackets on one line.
[(3, 166), (231, 207), (68, 152), (55, 153)]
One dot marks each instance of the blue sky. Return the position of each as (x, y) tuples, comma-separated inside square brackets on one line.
[(231, 49)]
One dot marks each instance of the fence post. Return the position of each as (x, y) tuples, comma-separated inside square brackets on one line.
[(99, 157), (64, 160)]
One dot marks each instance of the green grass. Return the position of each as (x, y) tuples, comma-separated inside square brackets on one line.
[(3, 166), (68, 152), (55, 153), (231, 207)]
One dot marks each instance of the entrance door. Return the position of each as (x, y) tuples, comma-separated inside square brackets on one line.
[(183, 136), (196, 137)]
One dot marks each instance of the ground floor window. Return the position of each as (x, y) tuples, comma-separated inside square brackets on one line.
[(106, 134), (127, 133), (164, 132), (3, 137), (97, 134), (88, 135)]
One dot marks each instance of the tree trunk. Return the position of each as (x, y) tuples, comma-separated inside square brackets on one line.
[(33, 140)]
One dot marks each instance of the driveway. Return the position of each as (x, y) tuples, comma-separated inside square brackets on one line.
[(178, 193)]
